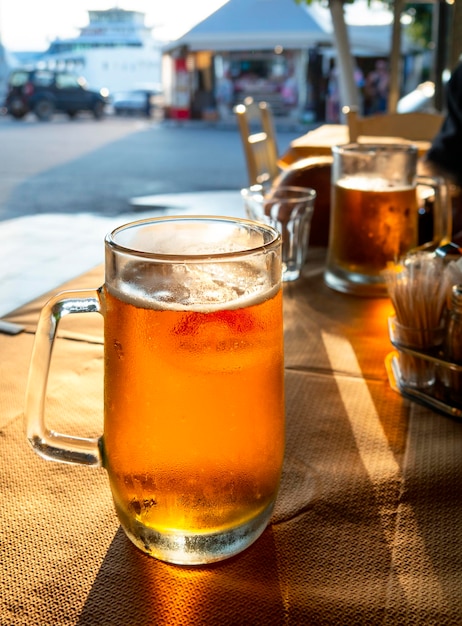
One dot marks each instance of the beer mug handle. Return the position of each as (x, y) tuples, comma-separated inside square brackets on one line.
[(47, 443), (442, 213)]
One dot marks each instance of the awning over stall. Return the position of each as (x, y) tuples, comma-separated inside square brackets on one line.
[(267, 24), (257, 25)]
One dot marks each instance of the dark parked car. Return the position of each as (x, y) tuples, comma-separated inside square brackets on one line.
[(45, 91)]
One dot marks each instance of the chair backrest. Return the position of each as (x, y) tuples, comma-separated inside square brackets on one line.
[(255, 122), (417, 126)]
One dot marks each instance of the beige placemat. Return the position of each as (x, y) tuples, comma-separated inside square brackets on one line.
[(330, 554), (366, 527)]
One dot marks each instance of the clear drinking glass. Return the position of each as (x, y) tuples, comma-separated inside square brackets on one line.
[(193, 436), (289, 210)]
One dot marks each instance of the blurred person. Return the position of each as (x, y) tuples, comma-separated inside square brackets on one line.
[(224, 95), (333, 97), (445, 153), (289, 91), (444, 158), (376, 89), (360, 82)]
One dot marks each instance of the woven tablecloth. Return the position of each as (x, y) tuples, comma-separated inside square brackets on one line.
[(367, 528)]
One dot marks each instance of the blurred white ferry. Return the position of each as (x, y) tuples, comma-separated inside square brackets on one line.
[(115, 50)]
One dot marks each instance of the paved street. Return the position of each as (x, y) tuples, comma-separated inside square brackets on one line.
[(65, 184), (88, 166)]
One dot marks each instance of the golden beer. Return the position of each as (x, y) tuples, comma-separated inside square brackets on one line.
[(372, 223), (194, 414), (193, 438), (374, 216)]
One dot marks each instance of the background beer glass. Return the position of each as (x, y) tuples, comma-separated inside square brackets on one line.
[(374, 214), (193, 381)]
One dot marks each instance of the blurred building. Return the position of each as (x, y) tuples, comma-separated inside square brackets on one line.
[(7, 62), (115, 50), (273, 50), (3, 72)]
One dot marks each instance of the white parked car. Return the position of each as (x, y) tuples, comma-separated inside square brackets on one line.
[(135, 102)]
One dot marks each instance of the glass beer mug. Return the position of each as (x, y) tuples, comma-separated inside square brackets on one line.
[(374, 214), (193, 438)]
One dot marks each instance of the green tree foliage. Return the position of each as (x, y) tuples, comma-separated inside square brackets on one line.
[(326, 2), (419, 30)]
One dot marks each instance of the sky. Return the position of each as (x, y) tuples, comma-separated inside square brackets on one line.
[(30, 25)]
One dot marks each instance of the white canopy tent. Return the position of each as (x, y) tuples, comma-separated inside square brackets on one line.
[(265, 24), (259, 25)]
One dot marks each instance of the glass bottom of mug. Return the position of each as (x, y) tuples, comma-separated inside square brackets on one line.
[(355, 283), (182, 548)]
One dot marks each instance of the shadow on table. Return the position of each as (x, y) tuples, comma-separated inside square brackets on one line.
[(133, 588)]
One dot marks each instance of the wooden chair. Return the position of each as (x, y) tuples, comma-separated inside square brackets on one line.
[(255, 122), (415, 126)]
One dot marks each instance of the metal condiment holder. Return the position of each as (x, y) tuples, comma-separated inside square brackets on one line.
[(436, 396)]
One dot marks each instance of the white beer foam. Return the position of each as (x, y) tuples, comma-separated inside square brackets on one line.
[(372, 183), (204, 288)]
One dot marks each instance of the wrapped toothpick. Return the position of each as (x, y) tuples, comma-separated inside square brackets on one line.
[(418, 289)]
